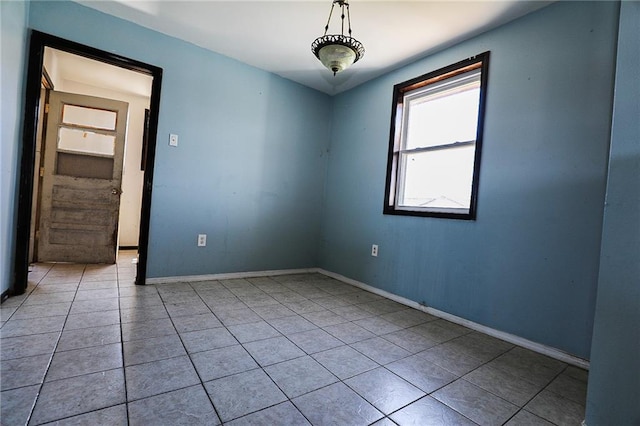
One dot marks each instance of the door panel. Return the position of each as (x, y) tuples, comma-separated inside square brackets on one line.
[(81, 187)]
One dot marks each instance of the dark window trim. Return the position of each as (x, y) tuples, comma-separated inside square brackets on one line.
[(37, 43), (480, 61)]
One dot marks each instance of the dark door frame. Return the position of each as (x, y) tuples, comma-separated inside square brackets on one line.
[(38, 41)]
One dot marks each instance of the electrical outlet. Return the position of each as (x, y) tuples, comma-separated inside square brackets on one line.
[(374, 250), (202, 240)]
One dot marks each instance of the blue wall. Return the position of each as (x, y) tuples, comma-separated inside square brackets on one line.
[(529, 264), (614, 377), (13, 50), (249, 170)]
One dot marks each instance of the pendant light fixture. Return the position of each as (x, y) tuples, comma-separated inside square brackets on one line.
[(338, 52)]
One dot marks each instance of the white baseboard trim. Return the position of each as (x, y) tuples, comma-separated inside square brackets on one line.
[(229, 276), (511, 338)]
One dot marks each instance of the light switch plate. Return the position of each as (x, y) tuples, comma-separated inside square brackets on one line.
[(173, 140)]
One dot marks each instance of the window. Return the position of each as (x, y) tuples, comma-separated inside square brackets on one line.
[(435, 142)]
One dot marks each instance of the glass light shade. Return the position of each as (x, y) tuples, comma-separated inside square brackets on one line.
[(337, 57), (337, 52)]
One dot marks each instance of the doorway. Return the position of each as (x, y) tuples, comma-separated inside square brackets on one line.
[(89, 178), (25, 235)]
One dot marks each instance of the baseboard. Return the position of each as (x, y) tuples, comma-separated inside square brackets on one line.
[(229, 276), (507, 337)]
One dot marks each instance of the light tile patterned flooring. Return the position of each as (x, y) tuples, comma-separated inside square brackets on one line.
[(86, 346)]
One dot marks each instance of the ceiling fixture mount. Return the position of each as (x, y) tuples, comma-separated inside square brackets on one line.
[(338, 52)]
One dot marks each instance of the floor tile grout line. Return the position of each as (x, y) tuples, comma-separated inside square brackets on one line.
[(60, 332), (81, 414), (215, 409), (384, 365), (44, 377), (426, 394), (84, 374), (124, 371), (348, 321), (485, 390), (462, 414), (26, 296), (542, 388), (566, 367), (538, 393), (338, 379), (259, 366), (520, 408)]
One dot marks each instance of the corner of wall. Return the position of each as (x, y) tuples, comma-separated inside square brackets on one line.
[(14, 18), (614, 381), (325, 181)]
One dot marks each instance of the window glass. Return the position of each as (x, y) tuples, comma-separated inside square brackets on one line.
[(89, 117), (439, 179), (443, 117), (85, 142)]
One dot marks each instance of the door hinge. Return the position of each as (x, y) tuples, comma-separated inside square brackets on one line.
[(46, 108), (41, 171)]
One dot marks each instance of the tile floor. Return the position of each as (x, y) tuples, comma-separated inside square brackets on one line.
[(86, 346)]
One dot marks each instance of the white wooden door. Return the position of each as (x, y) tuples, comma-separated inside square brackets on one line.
[(82, 175)]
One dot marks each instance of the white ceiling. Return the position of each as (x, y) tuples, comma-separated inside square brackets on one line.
[(276, 35)]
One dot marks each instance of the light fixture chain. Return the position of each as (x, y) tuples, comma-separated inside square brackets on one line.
[(326, 28), (349, 18)]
